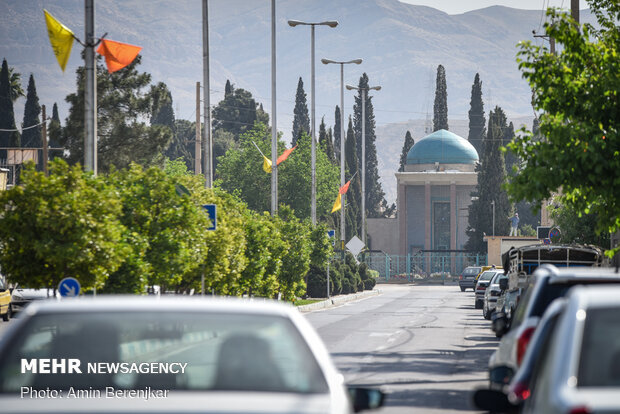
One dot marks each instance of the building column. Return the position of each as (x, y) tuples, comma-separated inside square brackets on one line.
[(453, 229), (401, 198), (427, 224)]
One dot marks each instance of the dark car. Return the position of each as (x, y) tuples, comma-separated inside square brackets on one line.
[(467, 280)]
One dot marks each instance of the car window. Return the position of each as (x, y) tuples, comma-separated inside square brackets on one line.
[(134, 351), (599, 362), (488, 275), (469, 271), (519, 314)]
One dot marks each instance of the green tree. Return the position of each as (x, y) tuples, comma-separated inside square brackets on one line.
[(374, 191), (162, 112), (122, 104), (409, 142), (183, 143), (237, 113), (325, 141), (62, 225), (31, 138), (577, 227), (575, 92), (337, 133), (476, 116), (54, 132), (491, 177), (7, 116), (440, 107), (353, 198), (301, 119), (15, 80)]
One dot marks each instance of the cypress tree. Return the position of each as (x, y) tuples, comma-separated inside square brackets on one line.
[(228, 89), (237, 113), (337, 132), (491, 177), (440, 108), (31, 138), (374, 191), (7, 116), (301, 120), (409, 142), (325, 141), (354, 194), (476, 116), (54, 132), (510, 157)]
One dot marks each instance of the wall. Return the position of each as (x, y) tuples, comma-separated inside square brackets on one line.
[(383, 234)]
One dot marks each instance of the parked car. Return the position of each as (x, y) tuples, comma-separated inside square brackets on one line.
[(196, 354), (491, 294), (548, 283), (468, 276), (6, 308), (481, 285), (580, 372), (21, 297)]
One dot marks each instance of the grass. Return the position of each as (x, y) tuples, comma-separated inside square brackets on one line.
[(301, 302)]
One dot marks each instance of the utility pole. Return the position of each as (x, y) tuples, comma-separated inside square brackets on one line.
[(90, 91), (274, 127), (197, 146), (208, 144), (44, 138), (574, 10)]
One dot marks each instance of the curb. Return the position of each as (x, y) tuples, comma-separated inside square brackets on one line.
[(338, 300)]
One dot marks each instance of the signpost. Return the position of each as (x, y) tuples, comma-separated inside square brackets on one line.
[(69, 287), (211, 210)]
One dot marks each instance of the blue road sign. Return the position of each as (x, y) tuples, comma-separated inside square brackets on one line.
[(69, 287), (331, 233), (212, 212)]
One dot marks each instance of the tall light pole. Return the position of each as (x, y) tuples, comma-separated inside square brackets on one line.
[(90, 89), (342, 63), (493, 205), (274, 123), (364, 92), (330, 23), (208, 142)]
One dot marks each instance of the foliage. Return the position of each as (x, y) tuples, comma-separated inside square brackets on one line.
[(575, 226), (31, 138), (183, 143), (337, 133), (7, 116), (576, 94), (58, 226), (237, 112), (440, 107), (325, 142), (175, 168), (409, 142), (526, 229), (54, 132), (368, 276), (122, 105), (301, 119), (15, 81), (476, 116)]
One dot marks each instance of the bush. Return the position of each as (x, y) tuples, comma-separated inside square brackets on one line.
[(368, 276), (317, 282)]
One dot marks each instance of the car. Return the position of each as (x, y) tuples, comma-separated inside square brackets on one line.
[(580, 371), (468, 276), (6, 308), (170, 354), (481, 285), (21, 297), (547, 284), (491, 294)]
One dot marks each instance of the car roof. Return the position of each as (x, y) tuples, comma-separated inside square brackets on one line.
[(572, 274), (596, 296)]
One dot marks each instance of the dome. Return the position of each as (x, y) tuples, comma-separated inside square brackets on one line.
[(443, 147)]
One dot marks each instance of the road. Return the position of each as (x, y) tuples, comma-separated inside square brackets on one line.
[(426, 346)]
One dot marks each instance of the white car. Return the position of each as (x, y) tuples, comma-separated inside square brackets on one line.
[(160, 354), (580, 370)]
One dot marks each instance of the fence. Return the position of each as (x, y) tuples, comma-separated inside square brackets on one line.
[(422, 265)]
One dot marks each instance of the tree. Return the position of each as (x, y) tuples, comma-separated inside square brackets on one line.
[(228, 89), (576, 95), (301, 120), (409, 142), (7, 116), (337, 132), (491, 177), (31, 138), (15, 80), (62, 225), (54, 132), (122, 105), (161, 107), (353, 197), (237, 112), (577, 227), (440, 107), (374, 192), (476, 116), (325, 141)]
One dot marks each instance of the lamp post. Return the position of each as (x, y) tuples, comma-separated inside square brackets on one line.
[(364, 93), (330, 23), (493, 204), (342, 63)]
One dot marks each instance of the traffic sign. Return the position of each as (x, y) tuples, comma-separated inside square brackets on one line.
[(355, 245), (69, 287), (212, 212), (331, 233)]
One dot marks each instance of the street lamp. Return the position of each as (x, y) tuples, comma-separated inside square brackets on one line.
[(330, 23), (341, 63), (364, 92)]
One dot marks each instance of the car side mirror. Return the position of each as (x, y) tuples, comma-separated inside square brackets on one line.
[(494, 401), (503, 283), (365, 398)]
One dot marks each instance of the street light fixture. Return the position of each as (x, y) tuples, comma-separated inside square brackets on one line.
[(330, 23), (364, 92), (342, 63)]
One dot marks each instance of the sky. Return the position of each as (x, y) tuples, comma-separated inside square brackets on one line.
[(462, 6)]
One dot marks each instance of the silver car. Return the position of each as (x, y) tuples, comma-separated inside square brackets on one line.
[(183, 354), (491, 294)]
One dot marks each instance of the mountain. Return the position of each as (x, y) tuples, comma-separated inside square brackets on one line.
[(401, 45)]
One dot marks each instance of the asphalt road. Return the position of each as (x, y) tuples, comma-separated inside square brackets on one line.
[(426, 346)]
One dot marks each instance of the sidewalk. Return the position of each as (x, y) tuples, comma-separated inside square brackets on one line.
[(338, 300)]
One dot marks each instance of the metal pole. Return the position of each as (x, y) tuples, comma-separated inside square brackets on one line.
[(208, 145), (342, 215), (274, 129), (44, 138), (328, 260), (90, 91), (364, 92), (493, 204), (312, 129), (574, 10), (198, 143)]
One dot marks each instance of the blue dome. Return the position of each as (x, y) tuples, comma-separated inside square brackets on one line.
[(443, 147)]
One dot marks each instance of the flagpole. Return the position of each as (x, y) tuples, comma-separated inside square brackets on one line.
[(208, 142), (274, 129), (90, 91)]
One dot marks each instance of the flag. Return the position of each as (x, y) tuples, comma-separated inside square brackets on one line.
[(285, 155), (61, 38), (338, 204), (344, 188), (117, 55), (266, 164)]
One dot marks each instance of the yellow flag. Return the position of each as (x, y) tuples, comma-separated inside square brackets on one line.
[(61, 38), (266, 164), (337, 204)]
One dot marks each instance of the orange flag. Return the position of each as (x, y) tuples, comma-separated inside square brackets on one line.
[(285, 155), (344, 188), (117, 55)]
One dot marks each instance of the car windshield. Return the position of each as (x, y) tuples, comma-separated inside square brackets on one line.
[(599, 364), (176, 350), (486, 276), (471, 271)]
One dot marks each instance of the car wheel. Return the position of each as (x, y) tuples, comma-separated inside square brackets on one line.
[(7, 315), (478, 305), (462, 289), (485, 312)]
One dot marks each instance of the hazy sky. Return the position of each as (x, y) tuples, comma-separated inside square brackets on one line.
[(462, 6)]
